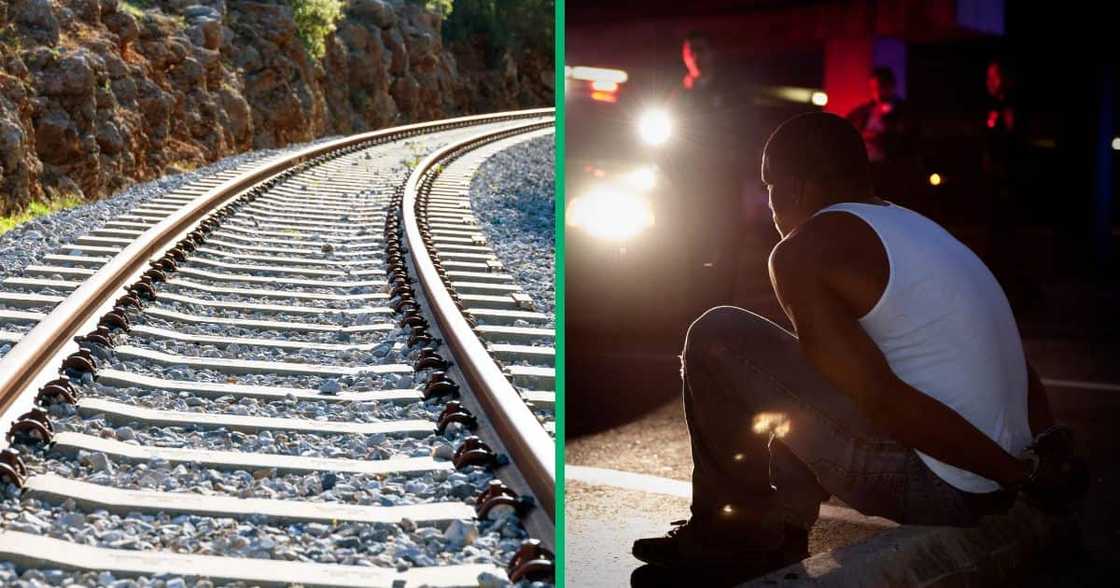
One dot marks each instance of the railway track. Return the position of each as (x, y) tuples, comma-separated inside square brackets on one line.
[(311, 370)]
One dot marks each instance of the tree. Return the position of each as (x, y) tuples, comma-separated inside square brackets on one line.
[(505, 24)]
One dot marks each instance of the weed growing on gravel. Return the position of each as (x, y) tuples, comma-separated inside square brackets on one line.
[(36, 210), (417, 152)]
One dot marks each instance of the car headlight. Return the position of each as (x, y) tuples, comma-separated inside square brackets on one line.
[(655, 126), (642, 179), (611, 213)]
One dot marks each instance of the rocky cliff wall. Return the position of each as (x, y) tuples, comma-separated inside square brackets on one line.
[(95, 94)]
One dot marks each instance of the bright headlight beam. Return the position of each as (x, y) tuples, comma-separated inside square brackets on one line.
[(643, 178), (655, 126), (610, 214)]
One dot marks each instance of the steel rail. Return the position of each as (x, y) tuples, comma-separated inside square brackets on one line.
[(532, 449), (25, 363)]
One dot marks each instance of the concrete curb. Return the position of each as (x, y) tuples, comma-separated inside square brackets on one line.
[(998, 551)]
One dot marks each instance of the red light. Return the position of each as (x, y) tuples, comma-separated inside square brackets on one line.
[(604, 97)]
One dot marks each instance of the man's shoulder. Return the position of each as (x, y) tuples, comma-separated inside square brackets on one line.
[(825, 244)]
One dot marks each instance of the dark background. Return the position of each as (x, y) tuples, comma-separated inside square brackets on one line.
[(1066, 219), (1065, 215)]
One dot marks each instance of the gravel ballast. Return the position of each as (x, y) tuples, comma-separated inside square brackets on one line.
[(396, 546), (513, 195), (27, 244)]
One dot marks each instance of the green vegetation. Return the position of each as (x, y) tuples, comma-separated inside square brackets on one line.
[(315, 20), (418, 153), (36, 210), (524, 24), (440, 7)]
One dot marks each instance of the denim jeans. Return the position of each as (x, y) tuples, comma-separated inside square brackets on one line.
[(771, 438)]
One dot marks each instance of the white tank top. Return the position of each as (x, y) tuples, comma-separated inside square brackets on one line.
[(946, 328)]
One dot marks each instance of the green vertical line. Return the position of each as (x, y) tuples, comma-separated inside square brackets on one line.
[(559, 201)]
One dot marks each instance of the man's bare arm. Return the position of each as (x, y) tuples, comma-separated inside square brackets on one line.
[(833, 341)]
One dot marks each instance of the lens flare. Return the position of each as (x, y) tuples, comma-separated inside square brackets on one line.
[(643, 178), (611, 214), (655, 126)]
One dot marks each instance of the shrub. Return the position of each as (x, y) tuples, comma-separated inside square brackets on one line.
[(440, 7), (315, 20)]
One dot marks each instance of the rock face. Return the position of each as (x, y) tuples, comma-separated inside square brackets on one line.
[(95, 94)]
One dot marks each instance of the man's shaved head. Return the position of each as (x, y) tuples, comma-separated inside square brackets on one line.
[(823, 148), (811, 161)]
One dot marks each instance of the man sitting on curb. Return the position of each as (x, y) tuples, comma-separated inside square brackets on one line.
[(905, 391)]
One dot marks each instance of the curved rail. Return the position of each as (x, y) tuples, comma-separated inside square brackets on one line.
[(24, 366), (530, 446), (173, 239)]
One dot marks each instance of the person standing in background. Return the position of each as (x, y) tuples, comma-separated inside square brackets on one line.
[(887, 128), (1002, 133), (1004, 150), (711, 105)]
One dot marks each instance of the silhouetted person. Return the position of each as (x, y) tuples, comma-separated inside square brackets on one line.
[(712, 117), (887, 128), (1004, 155), (1002, 131), (904, 391)]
